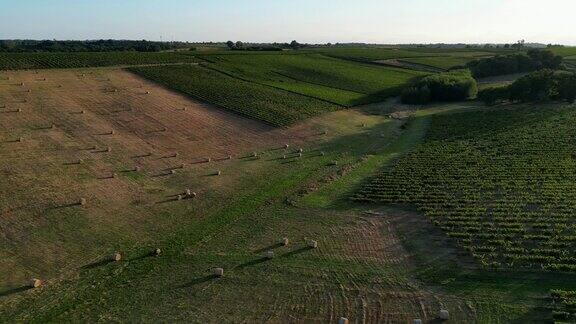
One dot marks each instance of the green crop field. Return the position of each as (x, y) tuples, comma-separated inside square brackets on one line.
[(500, 182), (23, 61), (274, 106), (442, 62), (338, 81)]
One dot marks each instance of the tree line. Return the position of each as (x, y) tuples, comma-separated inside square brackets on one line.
[(103, 45), (532, 60)]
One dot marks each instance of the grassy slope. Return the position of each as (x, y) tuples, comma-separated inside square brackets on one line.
[(342, 82), (24, 61), (274, 106)]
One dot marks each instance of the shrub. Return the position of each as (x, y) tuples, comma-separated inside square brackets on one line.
[(449, 86), (543, 85)]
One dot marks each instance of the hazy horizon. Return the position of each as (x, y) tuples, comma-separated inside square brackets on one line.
[(320, 21)]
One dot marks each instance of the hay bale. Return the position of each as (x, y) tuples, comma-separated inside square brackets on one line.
[(157, 252), (19, 110), (313, 244), (444, 315), (82, 202), (59, 86), (287, 146), (269, 255), (190, 193), (114, 175), (117, 256), (82, 111), (79, 161), (299, 154), (172, 172), (285, 241), (343, 320), (35, 283), (108, 149), (229, 157), (218, 272), (21, 84), (334, 163), (322, 153), (137, 168), (218, 173), (284, 157), (112, 132), (179, 197), (20, 139), (300, 150), (28, 90), (255, 154), (208, 160), (147, 92)]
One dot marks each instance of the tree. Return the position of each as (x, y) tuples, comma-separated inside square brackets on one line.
[(230, 44), (295, 45), (239, 45)]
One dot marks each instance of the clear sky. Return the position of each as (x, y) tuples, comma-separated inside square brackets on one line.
[(313, 21)]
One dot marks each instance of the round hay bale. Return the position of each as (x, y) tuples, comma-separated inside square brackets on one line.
[(299, 154), (157, 252), (444, 315), (255, 154), (82, 201), (112, 132), (218, 272), (179, 197), (35, 283), (285, 241), (229, 157), (343, 320), (300, 150), (218, 173), (28, 90), (82, 111), (19, 110), (137, 168), (269, 254), (313, 244), (147, 92), (334, 163), (284, 157), (108, 149), (172, 172), (208, 160), (21, 84), (287, 146), (117, 256), (80, 161), (20, 139), (322, 153)]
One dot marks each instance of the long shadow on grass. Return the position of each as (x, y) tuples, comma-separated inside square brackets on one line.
[(97, 264), (251, 263), (270, 247), (14, 291)]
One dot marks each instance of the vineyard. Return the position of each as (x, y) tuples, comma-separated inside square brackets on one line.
[(274, 106), (499, 182), (341, 82), (23, 61), (563, 306)]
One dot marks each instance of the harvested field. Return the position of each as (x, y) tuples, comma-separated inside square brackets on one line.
[(123, 132)]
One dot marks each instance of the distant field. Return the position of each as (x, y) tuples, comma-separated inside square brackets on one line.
[(338, 81), (500, 182), (273, 106), (564, 51), (23, 61), (442, 62)]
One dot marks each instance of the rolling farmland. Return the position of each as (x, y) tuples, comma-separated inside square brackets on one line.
[(276, 107)]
